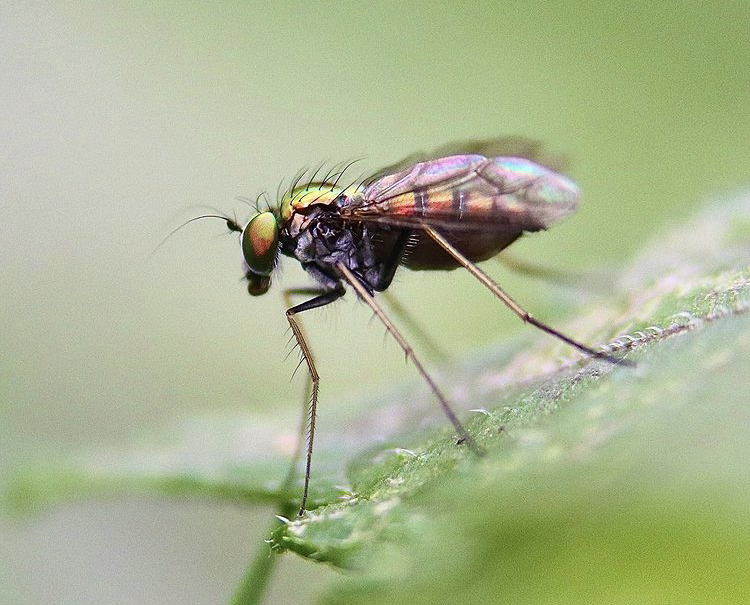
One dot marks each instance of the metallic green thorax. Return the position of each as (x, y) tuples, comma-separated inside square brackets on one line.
[(310, 195)]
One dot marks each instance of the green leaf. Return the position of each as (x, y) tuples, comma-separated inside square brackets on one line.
[(635, 490), (243, 459), (602, 484)]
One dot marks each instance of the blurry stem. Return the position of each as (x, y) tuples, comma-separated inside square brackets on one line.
[(258, 576), (255, 582)]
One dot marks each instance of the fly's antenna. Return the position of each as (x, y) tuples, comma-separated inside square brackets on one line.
[(231, 224)]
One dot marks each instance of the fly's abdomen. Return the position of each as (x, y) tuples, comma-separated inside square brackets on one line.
[(424, 254), (455, 204)]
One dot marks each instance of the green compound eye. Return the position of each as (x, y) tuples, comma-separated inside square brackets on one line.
[(260, 243)]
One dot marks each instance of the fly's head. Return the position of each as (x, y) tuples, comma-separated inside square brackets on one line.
[(261, 235)]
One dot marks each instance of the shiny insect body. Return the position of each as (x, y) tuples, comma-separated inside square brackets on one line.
[(440, 213)]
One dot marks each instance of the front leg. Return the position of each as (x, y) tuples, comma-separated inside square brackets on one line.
[(323, 298), (367, 297)]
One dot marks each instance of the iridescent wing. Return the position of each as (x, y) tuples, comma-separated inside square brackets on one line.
[(468, 192), (518, 147)]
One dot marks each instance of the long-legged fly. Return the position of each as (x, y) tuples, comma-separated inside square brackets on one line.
[(447, 211)]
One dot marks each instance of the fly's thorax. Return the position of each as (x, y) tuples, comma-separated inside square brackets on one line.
[(315, 194), (320, 238), (298, 232), (301, 207)]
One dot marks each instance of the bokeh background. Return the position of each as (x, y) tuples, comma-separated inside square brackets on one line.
[(116, 119)]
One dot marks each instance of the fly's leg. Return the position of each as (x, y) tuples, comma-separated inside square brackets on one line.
[(533, 270), (489, 283), (435, 351), (384, 280), (365, 295), (288, 484), (300, 440), (591, 281), (323, 298)]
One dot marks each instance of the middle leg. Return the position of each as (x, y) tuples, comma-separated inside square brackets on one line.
[(364, 294)]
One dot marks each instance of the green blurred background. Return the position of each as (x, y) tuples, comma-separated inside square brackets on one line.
[(115, 119)]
